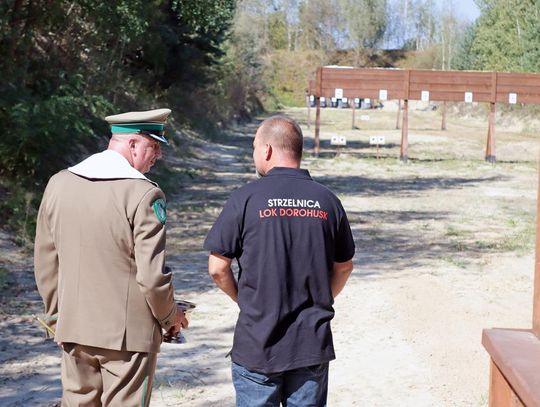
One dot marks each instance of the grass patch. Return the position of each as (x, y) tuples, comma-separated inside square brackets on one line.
[(453, 232), (521, 241), (460, 263)]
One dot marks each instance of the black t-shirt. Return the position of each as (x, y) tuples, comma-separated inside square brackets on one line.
[(286, 231)]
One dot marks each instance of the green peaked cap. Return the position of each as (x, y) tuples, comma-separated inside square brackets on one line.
[(150, 123)]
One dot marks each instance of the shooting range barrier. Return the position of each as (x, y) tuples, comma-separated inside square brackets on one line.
[(515, 353), (352, 84)]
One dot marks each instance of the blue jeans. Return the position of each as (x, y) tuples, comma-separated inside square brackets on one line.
[(302, 387)]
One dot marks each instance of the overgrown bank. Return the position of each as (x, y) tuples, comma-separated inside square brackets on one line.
[(67, 64)]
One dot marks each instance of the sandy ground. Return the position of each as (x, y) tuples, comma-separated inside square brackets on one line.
[(444, 249)]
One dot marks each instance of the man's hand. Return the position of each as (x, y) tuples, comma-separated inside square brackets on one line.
[(180, 321)]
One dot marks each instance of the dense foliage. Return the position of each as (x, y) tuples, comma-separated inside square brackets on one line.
[(67, 64), (506, 37)]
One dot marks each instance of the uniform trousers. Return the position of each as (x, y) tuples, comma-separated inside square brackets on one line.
[(104, 377)]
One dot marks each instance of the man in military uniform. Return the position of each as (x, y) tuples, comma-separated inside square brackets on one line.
[(294, 248), (99, 266)]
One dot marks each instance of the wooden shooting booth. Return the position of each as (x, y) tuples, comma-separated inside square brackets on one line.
[(424, 85), (515, 353)]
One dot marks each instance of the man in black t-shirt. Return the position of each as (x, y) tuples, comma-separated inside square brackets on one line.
[(294, 248)]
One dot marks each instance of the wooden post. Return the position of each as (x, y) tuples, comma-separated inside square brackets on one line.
[(403, 155), (490, 147), (536, 295), (398, 113), (317, 125), (318, 111), (308, 102), (500, 391), (405, 132), (443, 124), (353, 114)]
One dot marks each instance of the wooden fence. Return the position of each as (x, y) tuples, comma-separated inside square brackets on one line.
[(441, 86)]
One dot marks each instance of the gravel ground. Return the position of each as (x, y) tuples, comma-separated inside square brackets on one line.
[(444, 249)]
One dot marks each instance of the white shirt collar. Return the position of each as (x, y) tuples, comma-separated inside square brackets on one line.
[(106, 165)]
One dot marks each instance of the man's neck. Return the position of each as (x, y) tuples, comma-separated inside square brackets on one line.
[(285, 164), (121, 149)]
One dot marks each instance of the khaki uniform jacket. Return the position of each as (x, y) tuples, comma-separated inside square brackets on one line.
[(99, 262)]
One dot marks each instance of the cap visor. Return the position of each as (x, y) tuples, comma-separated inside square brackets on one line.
[(158, 138)]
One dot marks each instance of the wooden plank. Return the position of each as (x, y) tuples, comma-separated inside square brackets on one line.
[(516, 353), (369, 74), (311, 87), (526, 79), (362, 84), (450, 77), (452, 81), (446, 87), (536, 293), (416, 95), (429, 73), (364, 93), (518, 88), (500, 391), (452, 96), (399, 94), (521, 98), (363, 78), (359, 92), (432, 77)]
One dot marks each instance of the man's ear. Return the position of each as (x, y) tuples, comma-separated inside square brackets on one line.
[(267, 151)]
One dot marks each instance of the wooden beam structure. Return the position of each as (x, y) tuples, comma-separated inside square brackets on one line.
[(440, 86)]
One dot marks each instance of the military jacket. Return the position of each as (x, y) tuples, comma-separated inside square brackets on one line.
[(99, 258)]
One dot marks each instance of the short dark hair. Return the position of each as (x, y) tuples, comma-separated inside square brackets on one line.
[(284, 134)]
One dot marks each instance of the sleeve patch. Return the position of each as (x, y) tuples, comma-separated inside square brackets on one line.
[(160, 208)]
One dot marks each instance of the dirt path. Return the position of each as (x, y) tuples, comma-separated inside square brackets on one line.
[(444, 249)]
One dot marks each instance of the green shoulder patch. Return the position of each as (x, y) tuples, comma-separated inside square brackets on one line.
[(160, 208)]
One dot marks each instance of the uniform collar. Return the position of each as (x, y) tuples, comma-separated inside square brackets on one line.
[(106, 165), (291, 172)]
